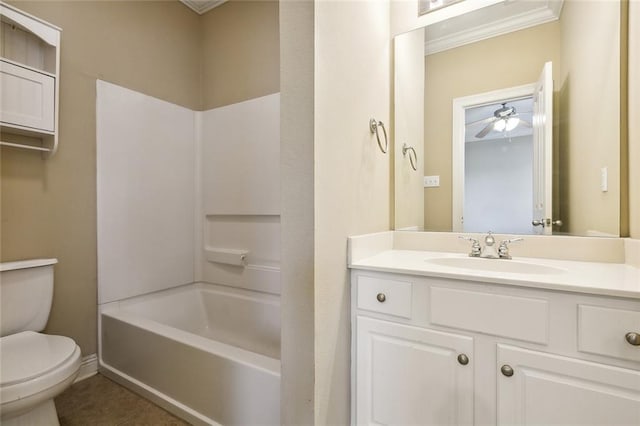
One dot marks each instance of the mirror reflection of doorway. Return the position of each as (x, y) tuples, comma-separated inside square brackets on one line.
[(512, 112), (498, 167)]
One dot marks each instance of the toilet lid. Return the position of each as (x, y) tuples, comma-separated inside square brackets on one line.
[(28, 354)]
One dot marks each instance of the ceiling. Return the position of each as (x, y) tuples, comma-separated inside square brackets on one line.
[(202, 6)]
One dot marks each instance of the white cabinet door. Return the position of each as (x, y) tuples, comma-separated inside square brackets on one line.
[(412, 376), (550, 389), (27, 97)]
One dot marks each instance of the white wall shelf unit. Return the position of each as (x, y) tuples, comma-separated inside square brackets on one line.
[(29, 81)]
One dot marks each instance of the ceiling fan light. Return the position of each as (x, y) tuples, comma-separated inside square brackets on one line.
[(512, 123), (499, 125)]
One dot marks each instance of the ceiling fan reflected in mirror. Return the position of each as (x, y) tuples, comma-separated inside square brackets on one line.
[(504, 119)]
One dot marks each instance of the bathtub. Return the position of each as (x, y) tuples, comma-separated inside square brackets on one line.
[(208, 353)]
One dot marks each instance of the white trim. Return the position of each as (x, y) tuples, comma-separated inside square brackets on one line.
[(88, 367), (528, 19), (202, 6), (457, 141)]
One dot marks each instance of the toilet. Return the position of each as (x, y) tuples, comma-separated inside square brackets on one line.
[(34, 367)]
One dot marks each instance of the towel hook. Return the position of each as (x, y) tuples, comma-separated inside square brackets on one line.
[(413, 159), (373, 126)]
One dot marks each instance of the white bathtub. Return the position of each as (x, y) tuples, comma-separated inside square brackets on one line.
[(209, 353)]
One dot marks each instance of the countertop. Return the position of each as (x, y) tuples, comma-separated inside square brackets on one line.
[(610, 279)]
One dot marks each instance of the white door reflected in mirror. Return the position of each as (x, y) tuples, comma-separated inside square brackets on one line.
[(500, 166), (503, 181)]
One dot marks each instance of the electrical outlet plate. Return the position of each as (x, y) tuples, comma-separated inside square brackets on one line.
[(431, 181), (604, 179)]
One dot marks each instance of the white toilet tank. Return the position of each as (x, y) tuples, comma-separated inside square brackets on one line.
[(26, 292)]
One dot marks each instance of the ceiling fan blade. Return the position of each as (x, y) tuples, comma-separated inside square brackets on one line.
[(525, 123), (484, 132), (484, 120)]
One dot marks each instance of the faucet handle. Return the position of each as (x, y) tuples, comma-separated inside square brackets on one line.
[(489, 240), (503, 249), (475, 246)]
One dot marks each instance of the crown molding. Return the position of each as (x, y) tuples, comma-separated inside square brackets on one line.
[(548, 13), (202, 6)]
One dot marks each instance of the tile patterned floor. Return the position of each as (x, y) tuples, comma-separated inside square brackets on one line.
[(102, 402)]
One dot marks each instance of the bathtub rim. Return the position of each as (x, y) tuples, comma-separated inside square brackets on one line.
[(242, 356), (269, 298)]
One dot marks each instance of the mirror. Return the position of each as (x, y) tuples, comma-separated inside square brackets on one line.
[(468, 67)]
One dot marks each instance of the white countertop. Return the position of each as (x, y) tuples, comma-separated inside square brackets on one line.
[(610, 279)]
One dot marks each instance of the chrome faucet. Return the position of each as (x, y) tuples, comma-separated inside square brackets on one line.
[(489, 251), (475, 246), (503, 250)]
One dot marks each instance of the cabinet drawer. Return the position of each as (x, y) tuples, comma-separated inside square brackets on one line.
[(602, 331), (27, 97), (391, 297), (521, 318)]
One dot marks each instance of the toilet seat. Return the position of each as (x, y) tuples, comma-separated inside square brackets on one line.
[(34, 365)]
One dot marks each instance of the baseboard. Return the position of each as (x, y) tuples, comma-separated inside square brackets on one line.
[(88, 367)]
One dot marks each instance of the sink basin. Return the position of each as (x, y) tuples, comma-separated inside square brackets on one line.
[(495, 265)]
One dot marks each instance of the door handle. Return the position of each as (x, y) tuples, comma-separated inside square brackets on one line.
[(546, 222)]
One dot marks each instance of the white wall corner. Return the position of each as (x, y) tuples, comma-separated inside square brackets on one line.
[(199, 219)]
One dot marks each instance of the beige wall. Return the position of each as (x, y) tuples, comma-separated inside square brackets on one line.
[(240, 52), (634, 123), (49, 206), (589, 116), (468, 70)]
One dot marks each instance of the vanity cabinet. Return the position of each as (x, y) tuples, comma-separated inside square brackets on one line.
[(428, 350), (412, 375), (547, 389)]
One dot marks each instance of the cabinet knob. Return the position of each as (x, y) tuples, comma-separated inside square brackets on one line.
[(507, 370), (632, 338), (463, 359), (381, 297)]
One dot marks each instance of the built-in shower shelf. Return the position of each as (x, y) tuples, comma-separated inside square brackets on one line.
[(226, 256)]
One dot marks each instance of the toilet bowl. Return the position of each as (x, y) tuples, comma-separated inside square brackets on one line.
[(34, 367)]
